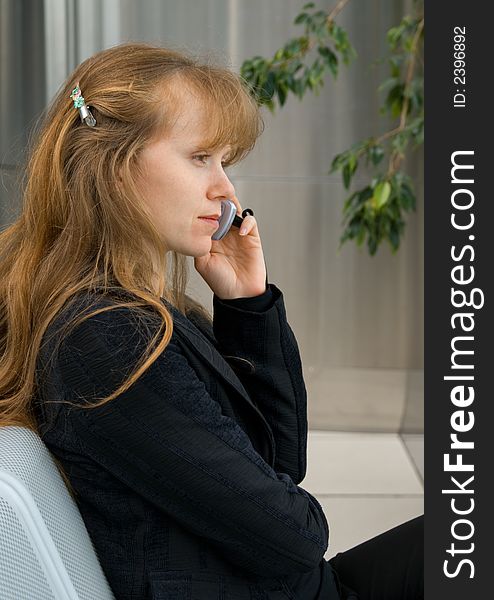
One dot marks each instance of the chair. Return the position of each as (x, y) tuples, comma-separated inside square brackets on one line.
[(45, 550)]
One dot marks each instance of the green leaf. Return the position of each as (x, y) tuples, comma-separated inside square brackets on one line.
[(308, 5), (304, 80), (418, 132), (270, 105), (279, 55), (282, 90), (258, 62), (349, 169), (333, 65), (350, 201), (396, 106), (372, 244), (407, 197), (302, 18), (395, 97), (395, 63), (293, 47), (408, 44), (342, 44), (298, 88), (376, 154), (388, 84), (330, 59), (400, 142), (394, 237), (394, 35), (347, 176), (366, 193), (324, 51), (294, 66), (361, 236), (269, 87), (349, 54), (337, 162), (381, 194), (320, 17)]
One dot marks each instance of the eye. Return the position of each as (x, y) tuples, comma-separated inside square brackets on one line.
[(202, 158)]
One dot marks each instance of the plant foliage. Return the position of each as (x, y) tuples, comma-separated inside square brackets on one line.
[(375, 213)]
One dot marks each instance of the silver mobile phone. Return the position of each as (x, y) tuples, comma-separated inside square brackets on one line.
[(228, 218)]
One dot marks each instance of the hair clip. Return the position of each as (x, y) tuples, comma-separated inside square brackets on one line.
[(85, 113)]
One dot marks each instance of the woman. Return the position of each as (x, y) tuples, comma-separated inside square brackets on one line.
[(183, 439)]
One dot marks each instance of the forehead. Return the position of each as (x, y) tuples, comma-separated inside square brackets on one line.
[(195, 116), (187, 120), (190, 130)]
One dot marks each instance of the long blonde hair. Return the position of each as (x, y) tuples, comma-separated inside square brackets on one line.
[(82, 226)]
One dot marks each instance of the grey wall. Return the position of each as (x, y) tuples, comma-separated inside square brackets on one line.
[(22, 92), (358, 320)]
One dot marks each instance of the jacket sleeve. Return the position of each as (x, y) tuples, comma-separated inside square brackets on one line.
[(167, 439), (262, 346)]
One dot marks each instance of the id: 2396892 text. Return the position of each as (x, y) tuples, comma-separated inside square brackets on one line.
[(459, 71)]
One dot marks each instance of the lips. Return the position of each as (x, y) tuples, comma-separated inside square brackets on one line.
[(212, 220)]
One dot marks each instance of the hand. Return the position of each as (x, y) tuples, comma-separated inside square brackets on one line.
[(234, 267)]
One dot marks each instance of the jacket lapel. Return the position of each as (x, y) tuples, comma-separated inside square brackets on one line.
[(197, 342)]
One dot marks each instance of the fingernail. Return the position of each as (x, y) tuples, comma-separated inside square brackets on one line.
[(243, 230)]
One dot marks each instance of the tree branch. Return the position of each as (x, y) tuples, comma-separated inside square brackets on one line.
[(396, 159), (410, 70), (312, 40), (337, 9)]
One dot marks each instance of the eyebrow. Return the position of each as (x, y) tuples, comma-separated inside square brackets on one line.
[(200, 147)]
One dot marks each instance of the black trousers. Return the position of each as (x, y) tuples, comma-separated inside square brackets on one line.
[(389, 566)]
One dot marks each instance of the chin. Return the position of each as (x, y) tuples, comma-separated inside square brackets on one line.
[(199, 249)]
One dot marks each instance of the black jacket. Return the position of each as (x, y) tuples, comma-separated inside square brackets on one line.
[(187, 482)]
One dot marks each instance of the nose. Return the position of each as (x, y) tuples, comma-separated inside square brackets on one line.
[(220, 186)]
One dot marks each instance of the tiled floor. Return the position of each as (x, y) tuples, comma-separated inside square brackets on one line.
[(366, 482)]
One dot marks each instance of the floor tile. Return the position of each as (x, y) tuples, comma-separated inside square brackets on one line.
[(353, 399), (353, 520), (359, 463), (414, 444)]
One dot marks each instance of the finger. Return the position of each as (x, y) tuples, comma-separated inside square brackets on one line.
[(249, 225)]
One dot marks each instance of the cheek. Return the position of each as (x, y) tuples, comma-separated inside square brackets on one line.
[(201, 247), (161, 200)]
